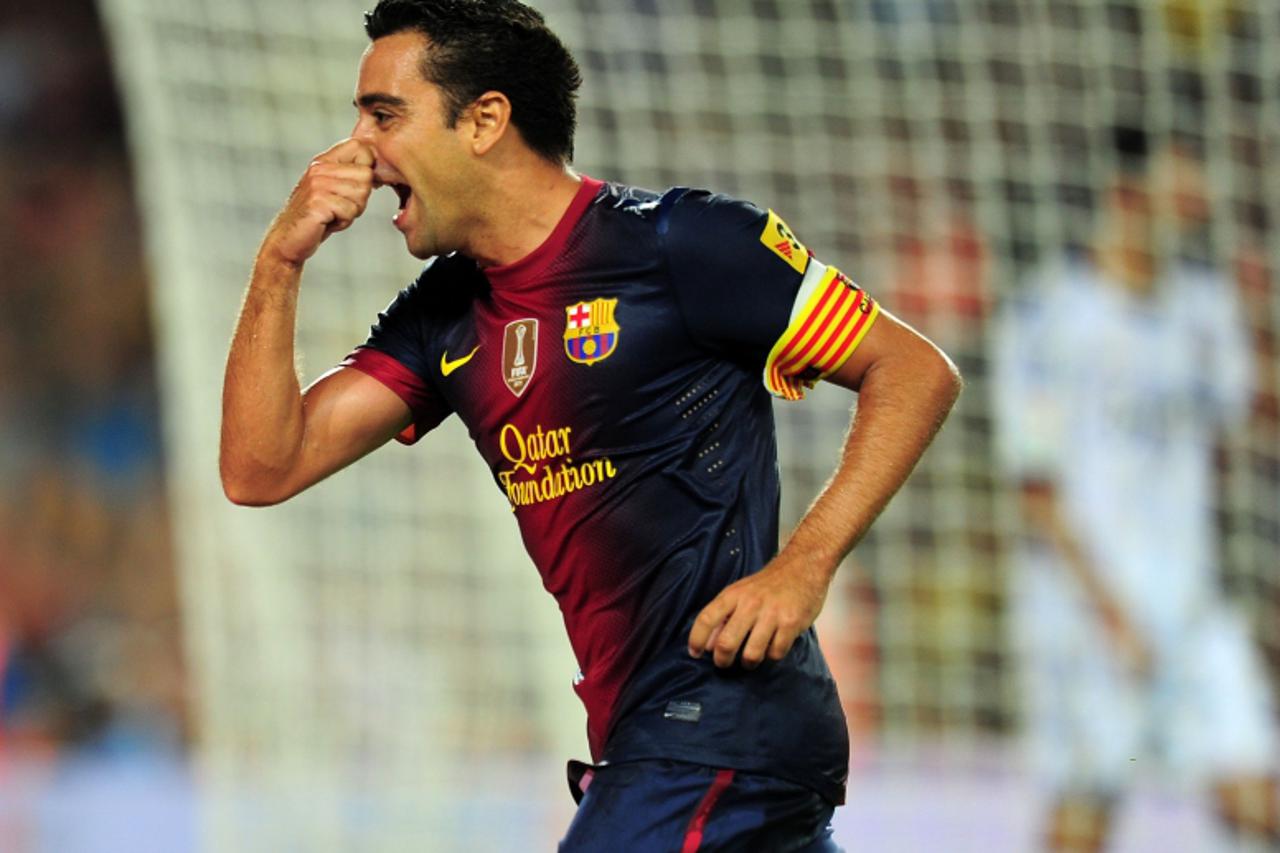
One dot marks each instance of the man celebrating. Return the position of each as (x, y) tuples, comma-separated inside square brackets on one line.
[(612, 352)]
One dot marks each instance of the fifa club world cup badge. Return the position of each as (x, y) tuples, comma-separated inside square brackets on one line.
[(590, 331), (519, 354)]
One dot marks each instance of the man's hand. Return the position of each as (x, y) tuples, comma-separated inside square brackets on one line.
[(767, 610), (331, 194)]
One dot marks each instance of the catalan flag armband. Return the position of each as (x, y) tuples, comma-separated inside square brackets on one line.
[(830, 317)]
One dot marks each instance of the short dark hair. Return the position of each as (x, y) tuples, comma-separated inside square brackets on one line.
[(501, 45), (1132, 146)]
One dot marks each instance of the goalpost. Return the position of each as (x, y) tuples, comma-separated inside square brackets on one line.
[(375, 663)]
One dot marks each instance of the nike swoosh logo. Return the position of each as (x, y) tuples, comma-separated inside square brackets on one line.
[(447, 367)]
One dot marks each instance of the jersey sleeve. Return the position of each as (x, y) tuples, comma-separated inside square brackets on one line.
[(395, 354), (749, 288)]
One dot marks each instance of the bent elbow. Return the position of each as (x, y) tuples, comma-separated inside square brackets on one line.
[(245, 497), (241, 495), (945, 377), (248, 491), (954, 379)]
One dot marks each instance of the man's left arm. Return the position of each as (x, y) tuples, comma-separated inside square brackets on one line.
[(906, 386)]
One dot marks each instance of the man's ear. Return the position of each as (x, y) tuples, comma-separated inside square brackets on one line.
[(490, 115)]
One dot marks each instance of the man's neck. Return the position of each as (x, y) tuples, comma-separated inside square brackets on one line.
[(522, 206)]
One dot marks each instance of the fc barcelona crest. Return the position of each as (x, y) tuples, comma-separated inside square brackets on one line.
[(590, 331)]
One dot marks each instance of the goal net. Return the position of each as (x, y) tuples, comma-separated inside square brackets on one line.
[(375, 663)]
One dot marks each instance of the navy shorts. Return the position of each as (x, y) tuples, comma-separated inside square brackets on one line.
[(659, 806)]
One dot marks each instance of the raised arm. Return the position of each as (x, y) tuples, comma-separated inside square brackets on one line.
[(277, 439), (906, 386)]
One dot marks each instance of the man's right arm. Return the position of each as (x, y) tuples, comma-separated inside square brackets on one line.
[(1032, 400), (1042, 511), (276, 438)]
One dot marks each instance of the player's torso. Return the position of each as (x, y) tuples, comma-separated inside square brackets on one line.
[(617, 440), (1142, 423), (1141, 365), (614, 381), (569, 370)]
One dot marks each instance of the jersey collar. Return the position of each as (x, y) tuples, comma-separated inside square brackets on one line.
[(530, 267)]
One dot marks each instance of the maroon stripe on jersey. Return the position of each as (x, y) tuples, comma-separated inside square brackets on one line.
[(698, 823), (406, 384), (526, 271)]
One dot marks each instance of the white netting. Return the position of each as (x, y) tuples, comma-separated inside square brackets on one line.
[(368, 655)]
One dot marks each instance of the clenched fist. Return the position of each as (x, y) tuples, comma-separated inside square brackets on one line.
[(331, 194)]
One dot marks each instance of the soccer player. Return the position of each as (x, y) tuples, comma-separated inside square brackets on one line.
[(1114, 373), (614, 353)]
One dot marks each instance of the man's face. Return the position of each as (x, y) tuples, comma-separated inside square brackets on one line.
[(1181, 181), (402, 117), (1133, 214)]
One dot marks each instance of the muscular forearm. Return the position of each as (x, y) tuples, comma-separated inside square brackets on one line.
[(262, 418), (906, 387), (902, 403), (263, 414)]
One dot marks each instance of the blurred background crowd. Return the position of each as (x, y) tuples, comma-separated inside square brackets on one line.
[(90, 650)]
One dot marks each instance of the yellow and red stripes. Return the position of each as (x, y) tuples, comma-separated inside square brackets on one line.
[(833, 317)]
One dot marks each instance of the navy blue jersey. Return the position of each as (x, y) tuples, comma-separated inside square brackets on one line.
[(617, 382)]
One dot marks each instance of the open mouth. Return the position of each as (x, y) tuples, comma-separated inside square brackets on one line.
[(403, 192)]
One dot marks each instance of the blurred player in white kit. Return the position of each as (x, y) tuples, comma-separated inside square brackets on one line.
[(1115, 372)]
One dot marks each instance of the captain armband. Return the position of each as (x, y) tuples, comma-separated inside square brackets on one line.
[(830, 317)]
